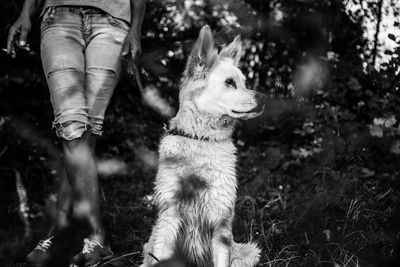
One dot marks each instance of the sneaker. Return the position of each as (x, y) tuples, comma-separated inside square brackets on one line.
[(40, 254), (92, 254)]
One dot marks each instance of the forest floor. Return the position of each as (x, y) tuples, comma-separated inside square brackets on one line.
[(299, 211)]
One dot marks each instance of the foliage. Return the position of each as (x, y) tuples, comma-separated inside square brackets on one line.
[(318, 171)]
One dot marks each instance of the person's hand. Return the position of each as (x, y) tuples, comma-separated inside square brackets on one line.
[(132, 47), (18, 34)]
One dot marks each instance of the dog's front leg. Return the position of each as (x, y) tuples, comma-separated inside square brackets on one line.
[(164, 234), (221, 243)]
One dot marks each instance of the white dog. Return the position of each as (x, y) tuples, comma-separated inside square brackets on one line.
[(195, 187)]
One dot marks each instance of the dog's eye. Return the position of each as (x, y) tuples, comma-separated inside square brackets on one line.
[(230, 82)]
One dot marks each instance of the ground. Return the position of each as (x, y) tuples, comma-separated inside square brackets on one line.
[(328, 209)]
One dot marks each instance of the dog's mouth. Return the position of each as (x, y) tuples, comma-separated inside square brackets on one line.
[(258, 109), (248, 114)]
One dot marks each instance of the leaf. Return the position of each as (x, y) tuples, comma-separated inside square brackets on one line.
[(301, 153), (369, 92), (392, 37), (354, 84), (389, 122), (379, 121), (274, 157), (332, 56), (395, 149), (376, 131), (367, 172), (388, 52)]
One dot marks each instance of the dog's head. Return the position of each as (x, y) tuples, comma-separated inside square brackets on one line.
[(213, 82)]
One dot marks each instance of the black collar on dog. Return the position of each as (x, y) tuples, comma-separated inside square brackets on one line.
[(178, 132)]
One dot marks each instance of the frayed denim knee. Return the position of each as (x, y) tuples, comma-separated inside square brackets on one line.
[(81, 56)]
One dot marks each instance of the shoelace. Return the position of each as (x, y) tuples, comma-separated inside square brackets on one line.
[(44, 245), (89, 245)]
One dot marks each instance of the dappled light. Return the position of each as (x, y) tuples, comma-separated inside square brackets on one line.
[(111, 167), (318, 170), (152, 97)]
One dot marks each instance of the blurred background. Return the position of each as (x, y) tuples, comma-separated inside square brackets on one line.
[(318, 172)]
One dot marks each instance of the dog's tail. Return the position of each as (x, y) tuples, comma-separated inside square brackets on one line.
[(245, 255)]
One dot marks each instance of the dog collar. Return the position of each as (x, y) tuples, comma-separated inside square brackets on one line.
[(175, 131)]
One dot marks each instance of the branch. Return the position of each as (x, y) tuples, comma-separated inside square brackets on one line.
[(378, 26)]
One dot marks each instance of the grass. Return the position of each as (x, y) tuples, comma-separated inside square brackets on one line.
[(301, 212)]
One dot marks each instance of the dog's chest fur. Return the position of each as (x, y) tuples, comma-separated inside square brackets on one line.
[(197, 177)]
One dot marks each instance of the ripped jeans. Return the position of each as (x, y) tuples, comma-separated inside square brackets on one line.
[(81, 56)]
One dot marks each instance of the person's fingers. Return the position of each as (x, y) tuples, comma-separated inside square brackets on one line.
[(134, 57), (135, 54), (125, 48), (10, 39), (129, 67), (23, 37), (13, 53)]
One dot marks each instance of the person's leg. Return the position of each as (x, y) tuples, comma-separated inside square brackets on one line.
[(63, 57), (81, 169), (64, 194), (103, 66), (64, 200), (63, 64)]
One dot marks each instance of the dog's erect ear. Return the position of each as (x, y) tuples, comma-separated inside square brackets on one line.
[(233, 50), (203, 54)]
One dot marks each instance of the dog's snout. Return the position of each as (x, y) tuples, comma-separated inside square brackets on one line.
[(260, 98)]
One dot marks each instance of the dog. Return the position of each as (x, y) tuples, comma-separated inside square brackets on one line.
[(195, 187)]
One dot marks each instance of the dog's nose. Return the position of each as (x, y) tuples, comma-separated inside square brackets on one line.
[(261, 98)]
